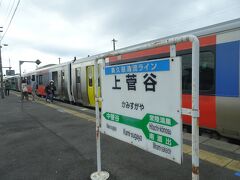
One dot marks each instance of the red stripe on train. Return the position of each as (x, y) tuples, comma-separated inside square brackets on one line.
[(207, 107), (41, 90), (204, 41)]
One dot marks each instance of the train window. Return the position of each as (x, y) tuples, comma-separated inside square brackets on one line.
[(37, 79), (78, 74), (99, 74), (33, 77), (45, 79), (28, 80), (99, 82), (55, 78), (63, 75), (40, 79), (90, 82), (90, 76), (206, 72)]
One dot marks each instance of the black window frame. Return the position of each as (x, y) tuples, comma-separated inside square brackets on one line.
[(28, 80), (33, 78), (78, 74), (206, 49), (40, 79)]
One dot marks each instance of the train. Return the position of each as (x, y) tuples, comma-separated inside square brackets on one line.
[(219, 85)]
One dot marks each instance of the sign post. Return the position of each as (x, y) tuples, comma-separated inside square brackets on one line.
[(151, 121), (99, 174)]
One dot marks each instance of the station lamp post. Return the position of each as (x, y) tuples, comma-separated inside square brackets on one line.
[(20, 71), (1, 71)]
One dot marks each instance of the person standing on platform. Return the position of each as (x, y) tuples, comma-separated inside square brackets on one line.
[(34, 88), (24, 90), (49, 89), (7, 88)]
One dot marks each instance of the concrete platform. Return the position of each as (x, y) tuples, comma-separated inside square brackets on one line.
[(39, 140)]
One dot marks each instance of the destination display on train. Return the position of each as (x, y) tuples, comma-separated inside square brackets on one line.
[(142, 105)]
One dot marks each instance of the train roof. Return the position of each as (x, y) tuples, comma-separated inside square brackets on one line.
[(48, 65), (51, 66)]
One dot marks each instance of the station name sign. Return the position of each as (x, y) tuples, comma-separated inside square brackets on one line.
[(142, 105)]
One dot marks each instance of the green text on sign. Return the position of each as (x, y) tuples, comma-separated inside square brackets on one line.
[(142, 124)]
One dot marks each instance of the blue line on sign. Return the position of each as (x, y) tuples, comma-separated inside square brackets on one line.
[(237, 174), (141, 67)]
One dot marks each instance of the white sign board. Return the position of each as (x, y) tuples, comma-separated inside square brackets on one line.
[(142, 105)]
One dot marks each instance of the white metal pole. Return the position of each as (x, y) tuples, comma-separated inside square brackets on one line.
[(173, 50), (195, 108), (20, 73), (1, 73), (97, 116), (99, 175)]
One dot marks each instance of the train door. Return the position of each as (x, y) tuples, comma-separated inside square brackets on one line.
[(33, 79), (78, 82), (55, 79), (90, 85), (37, 79), (13, 84), (40, 85), (62, 82)]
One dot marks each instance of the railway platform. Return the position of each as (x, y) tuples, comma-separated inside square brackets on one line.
[(39, 140)]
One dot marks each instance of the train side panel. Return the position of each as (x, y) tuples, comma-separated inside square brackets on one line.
[(207, 99), (227, 84)]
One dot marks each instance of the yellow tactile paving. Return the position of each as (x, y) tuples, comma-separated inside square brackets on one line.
[(234, 165), (75, 113), (187, 149), (217, 159), (203, 155), (213, 158)]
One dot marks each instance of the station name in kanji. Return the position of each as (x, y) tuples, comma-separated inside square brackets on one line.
[(131, 80)]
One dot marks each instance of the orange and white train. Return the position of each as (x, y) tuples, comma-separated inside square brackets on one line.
[(219, 76)]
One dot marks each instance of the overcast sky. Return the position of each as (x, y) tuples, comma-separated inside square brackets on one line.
[(49, 29)]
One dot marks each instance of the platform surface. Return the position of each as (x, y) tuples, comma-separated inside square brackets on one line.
[(45, 141)]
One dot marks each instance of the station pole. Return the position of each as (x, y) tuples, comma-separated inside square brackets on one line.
[(20, 73), (1, 72), (99, 174), (99, 167), (114, 44), (195, 108)]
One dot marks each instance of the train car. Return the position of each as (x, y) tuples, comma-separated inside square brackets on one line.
[(60, 74), (219, 75)]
